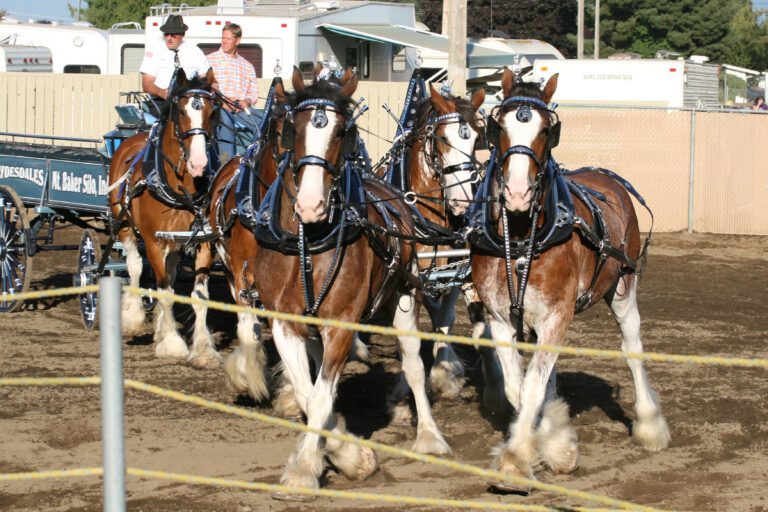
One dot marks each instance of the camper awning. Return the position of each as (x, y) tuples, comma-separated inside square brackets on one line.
[(478, 56)]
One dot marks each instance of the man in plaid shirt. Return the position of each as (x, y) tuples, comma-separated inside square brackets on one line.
[(235, 78)]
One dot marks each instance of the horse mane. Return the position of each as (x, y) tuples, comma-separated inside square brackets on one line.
[(322, 89)]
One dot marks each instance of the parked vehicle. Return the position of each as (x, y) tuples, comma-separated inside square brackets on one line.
[(16, 58), (669, 83), (80, 47)]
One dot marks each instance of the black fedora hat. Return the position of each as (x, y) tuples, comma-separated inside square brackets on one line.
[(174, 25)]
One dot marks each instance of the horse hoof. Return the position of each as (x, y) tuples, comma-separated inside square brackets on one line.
[(205, 362), (510, 488), (289, 496), (431, 442), (401, 415)]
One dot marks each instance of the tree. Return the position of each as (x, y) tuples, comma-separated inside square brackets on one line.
[(683, 26), (105, 13), (547, 20), (747, 40)]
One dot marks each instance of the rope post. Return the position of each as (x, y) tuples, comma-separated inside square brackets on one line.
[(691, 171), (112, 422)]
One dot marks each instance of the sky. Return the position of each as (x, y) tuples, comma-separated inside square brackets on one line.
[(56, 10)]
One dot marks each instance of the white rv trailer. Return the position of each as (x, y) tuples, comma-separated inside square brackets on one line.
[(26, 59), (666, 83), (80, 47)]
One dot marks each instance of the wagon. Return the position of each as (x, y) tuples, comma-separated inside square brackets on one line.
[(43, 185)]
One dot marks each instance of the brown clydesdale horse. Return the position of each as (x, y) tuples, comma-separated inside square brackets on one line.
[(346, 279), (441, 170), (245, 368), (144, 203), (536, 290)]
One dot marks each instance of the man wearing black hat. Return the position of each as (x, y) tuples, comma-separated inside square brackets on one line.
[(159, 62)]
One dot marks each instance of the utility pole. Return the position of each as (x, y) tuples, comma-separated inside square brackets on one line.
[(446, 16), (597, 29), (580, 30), (457, 44)]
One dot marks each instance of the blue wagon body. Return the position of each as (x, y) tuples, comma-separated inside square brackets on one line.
[(54, 176)]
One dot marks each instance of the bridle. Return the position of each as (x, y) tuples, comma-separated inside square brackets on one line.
[(197, 98), (319, 108), (433, 157), (493, 130)]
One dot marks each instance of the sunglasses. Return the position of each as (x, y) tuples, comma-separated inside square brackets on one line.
[(172, 35)]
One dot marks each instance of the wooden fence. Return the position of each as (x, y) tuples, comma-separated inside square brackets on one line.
[(700, 170)]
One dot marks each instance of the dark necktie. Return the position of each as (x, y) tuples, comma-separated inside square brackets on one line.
[(176, 62)]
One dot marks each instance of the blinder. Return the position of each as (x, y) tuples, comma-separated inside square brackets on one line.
[(492, 131), (288, 137)]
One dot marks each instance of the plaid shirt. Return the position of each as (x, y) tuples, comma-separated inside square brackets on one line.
[(235, 76)]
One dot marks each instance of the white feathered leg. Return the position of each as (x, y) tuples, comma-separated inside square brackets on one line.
[(203, 353), (446, 378), (133, 314), (650, 428), (428, 436), (246, 368)]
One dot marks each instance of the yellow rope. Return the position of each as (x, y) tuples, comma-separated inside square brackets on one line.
[(238, 411), (390, 331), (43, 475), (276, 488)]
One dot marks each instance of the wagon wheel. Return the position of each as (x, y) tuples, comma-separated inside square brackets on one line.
[(15, 261), (88, 258)]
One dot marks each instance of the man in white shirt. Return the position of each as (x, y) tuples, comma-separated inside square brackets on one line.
[(159, 63)]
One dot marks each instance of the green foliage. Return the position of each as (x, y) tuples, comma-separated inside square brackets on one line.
[(105, 13), (727, 31), (547, 20)]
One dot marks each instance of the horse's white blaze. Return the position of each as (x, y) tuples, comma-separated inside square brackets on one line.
[(458, 189), (310, 201), (517, 193), (198, 156)]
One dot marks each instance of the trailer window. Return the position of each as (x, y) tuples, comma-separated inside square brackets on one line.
[(131, 56), (86, 69), (352, 58), (250, 52), (398, 59)]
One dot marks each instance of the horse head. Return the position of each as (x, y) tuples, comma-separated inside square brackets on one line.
[(192, 105), (319, 131), (452, 131), (524, 130)]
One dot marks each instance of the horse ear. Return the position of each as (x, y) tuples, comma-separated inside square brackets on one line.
[(507, 80), (347, 75), (181, 78), (349, 88), (297, 80), (318, 69), (280, 90), (439, 103), (549, 89), (478, 98)]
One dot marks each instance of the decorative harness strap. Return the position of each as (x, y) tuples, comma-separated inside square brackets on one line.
[(560, 217)]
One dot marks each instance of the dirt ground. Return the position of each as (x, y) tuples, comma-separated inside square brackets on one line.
[(702, 294)]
